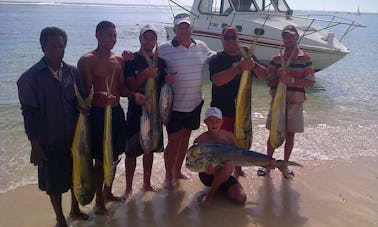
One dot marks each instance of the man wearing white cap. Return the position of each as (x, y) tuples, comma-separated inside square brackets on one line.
[(136, 73), (219, 177), (185, 58)]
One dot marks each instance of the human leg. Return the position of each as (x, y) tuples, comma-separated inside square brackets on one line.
[(289, 145), (221, 175), (237, 194), (147, 169), (75, 212), (107, 190), (170, 154), (130, 165), (56, 201), (99, 174), (182, 149)]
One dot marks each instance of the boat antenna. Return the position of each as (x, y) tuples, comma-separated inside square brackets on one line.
[(183, 8), (170, 6)]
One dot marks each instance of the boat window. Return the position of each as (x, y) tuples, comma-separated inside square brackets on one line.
[(244, 5), (281, 5), (272, 5), (218, 7)]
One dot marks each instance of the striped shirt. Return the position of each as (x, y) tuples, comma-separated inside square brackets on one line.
[(185, 65), (300, 68)]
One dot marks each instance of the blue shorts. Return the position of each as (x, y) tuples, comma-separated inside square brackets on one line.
[(96, 125), (187, 120), (55, 176)]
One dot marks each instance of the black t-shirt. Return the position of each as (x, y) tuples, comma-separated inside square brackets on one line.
[(132, 69), (224, 97)]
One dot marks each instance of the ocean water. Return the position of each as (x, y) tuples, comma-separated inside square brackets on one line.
[(341, 119)]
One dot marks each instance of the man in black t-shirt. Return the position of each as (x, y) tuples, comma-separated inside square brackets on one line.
[(137, 71), (225, 72)]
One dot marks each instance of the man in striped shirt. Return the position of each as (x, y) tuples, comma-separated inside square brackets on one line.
[(298, 75), (185, 58)]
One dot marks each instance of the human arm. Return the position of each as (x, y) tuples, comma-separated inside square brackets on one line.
[(127, 55), (27, 92), (84, 66)]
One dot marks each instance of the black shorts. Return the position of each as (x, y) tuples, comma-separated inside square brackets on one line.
[(207, 180), (133, 146), (55, 176), (187, 120), (96, 124)]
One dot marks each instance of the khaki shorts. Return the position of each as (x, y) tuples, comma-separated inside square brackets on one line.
[(295, 121)]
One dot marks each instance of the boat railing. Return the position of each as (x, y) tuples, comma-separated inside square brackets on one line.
[(314, 23), (325, 22)]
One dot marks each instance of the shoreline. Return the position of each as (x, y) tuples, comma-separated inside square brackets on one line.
[(324, 193)]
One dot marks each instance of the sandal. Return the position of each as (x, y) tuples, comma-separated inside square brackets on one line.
[(288, 174), (262, 172)]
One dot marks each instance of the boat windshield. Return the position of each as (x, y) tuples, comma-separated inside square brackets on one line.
[(261, 5), (223, 7), (215, 7)]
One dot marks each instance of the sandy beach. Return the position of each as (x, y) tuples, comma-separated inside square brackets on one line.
[(324, 193)]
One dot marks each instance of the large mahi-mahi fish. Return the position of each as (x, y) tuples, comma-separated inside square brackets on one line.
[(277, 133), (108, 163), (151, 130), (243, 119), (83, 180), (200, 155)]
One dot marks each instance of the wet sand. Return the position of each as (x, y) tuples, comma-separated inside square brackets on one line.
[(324, 193)]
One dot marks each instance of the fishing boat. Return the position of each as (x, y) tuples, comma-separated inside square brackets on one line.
[(208, 17)]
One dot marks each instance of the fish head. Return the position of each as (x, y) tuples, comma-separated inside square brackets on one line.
[(195, 159)]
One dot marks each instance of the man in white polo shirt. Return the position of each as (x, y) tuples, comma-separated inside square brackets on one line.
[(185, 58)]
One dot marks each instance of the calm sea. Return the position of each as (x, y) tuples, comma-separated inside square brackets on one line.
[(341, 120)]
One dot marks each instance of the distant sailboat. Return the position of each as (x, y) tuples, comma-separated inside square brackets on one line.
[(358, 10)]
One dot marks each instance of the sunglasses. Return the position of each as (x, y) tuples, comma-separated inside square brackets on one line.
[(287, 35), (229, 37)]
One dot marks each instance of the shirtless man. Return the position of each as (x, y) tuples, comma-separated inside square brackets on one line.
[(103, 69)]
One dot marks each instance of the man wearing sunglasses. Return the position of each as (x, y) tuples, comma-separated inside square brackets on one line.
[(225, 73)]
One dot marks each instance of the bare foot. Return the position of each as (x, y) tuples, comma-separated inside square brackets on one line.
[(127, 194), (168, 184), (149, 188), (100, 209), (61, 222), (238, 172), (111, 198), (206, 201), (182, 176), (78, 214)]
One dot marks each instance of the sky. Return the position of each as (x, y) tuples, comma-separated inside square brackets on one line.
[(370, 6)]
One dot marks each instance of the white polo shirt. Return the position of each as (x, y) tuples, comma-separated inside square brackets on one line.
[(185, 65)]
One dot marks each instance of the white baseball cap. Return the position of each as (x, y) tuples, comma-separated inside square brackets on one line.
[(148, 27), (181, 18), (213, 111)]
